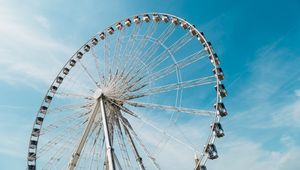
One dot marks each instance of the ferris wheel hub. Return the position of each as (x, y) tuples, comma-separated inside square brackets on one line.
[(98, 93)]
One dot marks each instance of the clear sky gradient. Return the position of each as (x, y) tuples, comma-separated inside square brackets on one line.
[(257, 42)]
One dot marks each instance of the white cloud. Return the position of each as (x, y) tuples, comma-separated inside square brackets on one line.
[(235, 152), (267, 93), (247, 155), (287, 141), (43, 21), (266, 103), (288, 116), (297, 92), (14, 131), (28, 56)]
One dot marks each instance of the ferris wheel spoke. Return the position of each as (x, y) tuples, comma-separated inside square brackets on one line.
[(137, 51), (137, 88), (157, 42), (129, 130), (88, 74), (120, 89), (97, 153), (131, 84), (133, 42), (87, 151), (62, 108), (116, 58), (98, 134), (150, 31), (141, 46), (101, 154), (64, 133), (155, 45), (72, 94), (129, 45), (134, 149), (116, 160), (116, 82), (165, 133), (166, 34), (106, 57), (156, 61), (179, 85), (59, 153), (132, 39), (123, 108), (122, 145), (97, 149), (172, 108), (61, 121), (179, 65), (96, 61), (130, 62), (134, 70), (72, 81)]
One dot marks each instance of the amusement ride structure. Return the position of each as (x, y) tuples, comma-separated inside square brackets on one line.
[(144, 93)]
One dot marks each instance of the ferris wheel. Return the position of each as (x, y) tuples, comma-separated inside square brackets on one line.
[(145, 93)]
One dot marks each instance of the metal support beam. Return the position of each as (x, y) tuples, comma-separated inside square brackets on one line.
[(197, 162), (136, 153), (99, 105), (109, 149), (76, 154)]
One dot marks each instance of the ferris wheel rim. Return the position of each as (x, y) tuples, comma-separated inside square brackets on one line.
[(211, 137)]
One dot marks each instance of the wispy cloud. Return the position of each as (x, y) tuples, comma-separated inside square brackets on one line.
[(43, 21), (288, 116), (271, 88), (268, 98), (235, 151), (246, 154), (297, 92), (27, 54), (14, 132)]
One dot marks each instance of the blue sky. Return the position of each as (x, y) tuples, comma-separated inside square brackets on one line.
[(258, 45)]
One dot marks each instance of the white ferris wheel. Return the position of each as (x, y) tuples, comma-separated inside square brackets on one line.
[(145, 93)]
